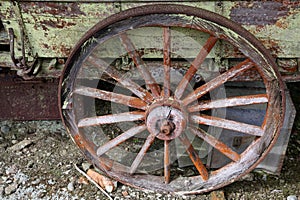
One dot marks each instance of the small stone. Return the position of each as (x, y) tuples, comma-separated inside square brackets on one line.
[(86, 166), (5, 129), (1, 190), (20, 178), (21, 145), (292, 197), (70, 186), (11, 170), (14, 141), (63, 152), (30, 164), (265, 177), (125, 193), (276, 191), (11, 188), (83, 180), (51, 182), (36, 181)]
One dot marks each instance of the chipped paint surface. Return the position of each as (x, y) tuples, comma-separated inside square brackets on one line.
[(54, 27), (275, 23)]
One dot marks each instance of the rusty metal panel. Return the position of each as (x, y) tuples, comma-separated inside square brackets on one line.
[(53, 28), (28, 100), (275, 23)]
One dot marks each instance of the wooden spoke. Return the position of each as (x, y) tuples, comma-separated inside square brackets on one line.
[(150, 82), (223, 148), (123, 80), (167, 61), (210, 43), (230, 102), (167, 166), (120, 139), (194, 156), (110, 119), (228, 124), (150, 139), (111, 96), (216, 82)]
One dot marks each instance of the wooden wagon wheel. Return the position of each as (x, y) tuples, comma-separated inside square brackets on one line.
[(129, 97)]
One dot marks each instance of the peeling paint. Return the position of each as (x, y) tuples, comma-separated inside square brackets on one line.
[(258, 12), (55, 27)]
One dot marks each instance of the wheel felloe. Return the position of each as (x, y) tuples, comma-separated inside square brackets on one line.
[(135, 123)]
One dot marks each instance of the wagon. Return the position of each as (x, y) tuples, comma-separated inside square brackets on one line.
[(181, 96)]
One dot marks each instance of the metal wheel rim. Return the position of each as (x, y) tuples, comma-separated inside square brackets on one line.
[(271, 79)]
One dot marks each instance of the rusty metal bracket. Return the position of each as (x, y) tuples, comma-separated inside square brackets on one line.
[(25, 65), (25, 69)]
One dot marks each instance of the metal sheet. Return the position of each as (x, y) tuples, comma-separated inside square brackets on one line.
[(28, 100), (274, 160)]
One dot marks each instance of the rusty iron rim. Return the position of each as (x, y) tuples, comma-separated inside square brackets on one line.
[(167, 114)]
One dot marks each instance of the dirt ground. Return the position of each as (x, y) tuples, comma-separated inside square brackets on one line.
[(37, 162)]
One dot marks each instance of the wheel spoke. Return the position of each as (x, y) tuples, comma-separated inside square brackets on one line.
[(150, 82), (230, 102), (228, 124), (123, 80), (210, 43), (223, 148), (120, 139), (150, 139), (216, 82), (167, 61), (194, 156), (167, 166), (111, 96), (110, 119)]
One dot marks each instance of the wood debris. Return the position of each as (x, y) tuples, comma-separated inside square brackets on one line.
[(105, 182)]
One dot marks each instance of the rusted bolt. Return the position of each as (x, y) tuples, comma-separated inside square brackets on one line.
[(167, 127)]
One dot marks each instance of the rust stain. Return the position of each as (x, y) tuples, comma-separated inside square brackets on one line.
[(291, 3), (65, 50), (273, 46), (55, 9), (259, 12), (56, 24), (79, 141)]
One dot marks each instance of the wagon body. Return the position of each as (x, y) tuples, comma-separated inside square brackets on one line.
[(37, 38), (49, 30)]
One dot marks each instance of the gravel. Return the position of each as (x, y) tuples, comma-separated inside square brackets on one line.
[(40, 166)]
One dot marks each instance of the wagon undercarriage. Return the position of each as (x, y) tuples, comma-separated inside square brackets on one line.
[(166, 97)]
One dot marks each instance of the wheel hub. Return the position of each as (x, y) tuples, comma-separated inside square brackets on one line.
[(166, 121)]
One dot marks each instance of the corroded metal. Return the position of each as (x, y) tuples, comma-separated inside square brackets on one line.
[(28, 100)]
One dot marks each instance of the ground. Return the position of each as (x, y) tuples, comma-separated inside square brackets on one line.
[(37, 161)]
